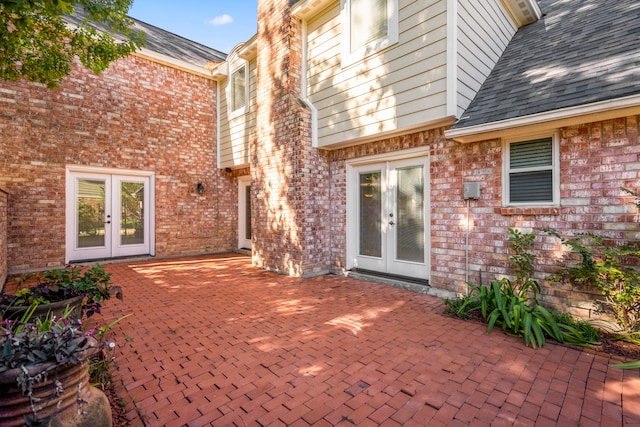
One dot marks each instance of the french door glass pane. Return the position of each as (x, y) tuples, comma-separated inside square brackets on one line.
[(91, 206), (370, 214), (131, 213), (247, 216), (410, 211)]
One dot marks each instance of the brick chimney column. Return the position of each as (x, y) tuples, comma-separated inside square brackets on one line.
[(290, 178)]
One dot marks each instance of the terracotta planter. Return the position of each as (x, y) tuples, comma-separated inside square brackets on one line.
[(56, 308), (79, 404)]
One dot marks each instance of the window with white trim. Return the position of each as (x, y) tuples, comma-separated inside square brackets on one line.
[(370, 26), (531, 172), (238, 89)]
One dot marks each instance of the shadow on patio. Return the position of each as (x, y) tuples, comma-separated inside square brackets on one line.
[(213, 341)]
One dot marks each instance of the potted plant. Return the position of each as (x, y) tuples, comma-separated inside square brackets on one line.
[(44, 374), (58, 289)]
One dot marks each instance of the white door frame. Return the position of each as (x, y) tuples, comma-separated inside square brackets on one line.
[(386, 263), (243, 183), (109, 175)]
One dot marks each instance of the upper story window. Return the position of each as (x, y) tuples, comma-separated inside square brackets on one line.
[(531, 172), (369, 26), (238, 90)]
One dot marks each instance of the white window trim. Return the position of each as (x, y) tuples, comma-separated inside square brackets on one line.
[(244, 109), (555, 168), (374, 46)]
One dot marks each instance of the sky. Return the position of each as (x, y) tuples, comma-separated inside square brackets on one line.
[(220, 24)]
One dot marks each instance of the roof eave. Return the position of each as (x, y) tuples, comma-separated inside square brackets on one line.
[(160, 58), (603, 110), (249, 50), (307, 8), (523, 12)]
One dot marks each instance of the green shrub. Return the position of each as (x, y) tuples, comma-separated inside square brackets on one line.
[(514, 311), (459, 307), (514, 306), (603, 266)]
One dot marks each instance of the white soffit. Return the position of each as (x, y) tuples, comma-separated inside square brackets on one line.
[(249, 50), (523, 12), (305, 9), (221, 71)]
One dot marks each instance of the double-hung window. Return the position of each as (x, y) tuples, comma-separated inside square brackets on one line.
[(238, 89), (370, 26), (531, 172)]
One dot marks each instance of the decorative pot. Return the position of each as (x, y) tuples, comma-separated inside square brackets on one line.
[(61, 394), (56, 308)]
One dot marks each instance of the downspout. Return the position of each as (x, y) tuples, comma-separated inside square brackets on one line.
[(303, 90), (466, 251), (218, 124)]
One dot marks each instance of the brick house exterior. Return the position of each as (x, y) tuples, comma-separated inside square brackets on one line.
[(290, 178), (4, 196), (141, 115), (138, 115)]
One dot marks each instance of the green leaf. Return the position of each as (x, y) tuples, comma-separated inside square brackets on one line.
[(538, 332), (528, 336), (493, 317), (627, 365)]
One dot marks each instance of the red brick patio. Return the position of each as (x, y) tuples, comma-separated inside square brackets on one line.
[(213, 341)]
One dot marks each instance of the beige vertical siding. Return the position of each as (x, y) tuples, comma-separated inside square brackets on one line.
[(397, 88), (236, 131), (484, 30)]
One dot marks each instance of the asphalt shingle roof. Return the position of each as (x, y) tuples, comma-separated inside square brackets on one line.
[(166, 43), (579, 52)]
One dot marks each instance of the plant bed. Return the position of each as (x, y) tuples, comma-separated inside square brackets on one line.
[(613, 345), (54, 290)]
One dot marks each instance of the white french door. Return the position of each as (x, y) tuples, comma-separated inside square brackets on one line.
[(387, 217), (108, 215), (244, 212)]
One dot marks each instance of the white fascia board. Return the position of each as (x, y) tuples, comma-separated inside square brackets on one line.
[(174, 63), (551, 119)]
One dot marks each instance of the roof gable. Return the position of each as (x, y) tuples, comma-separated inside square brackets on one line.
[(163, 42), (580, 52)]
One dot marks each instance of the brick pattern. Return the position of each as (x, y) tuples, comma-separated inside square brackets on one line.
[(235, 345), (4, 196), (596, 160), (290, 178), (137, 115)]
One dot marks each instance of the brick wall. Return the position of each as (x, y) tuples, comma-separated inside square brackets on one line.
[(596, 160), (137, 115), (4, 197), (290, 178)]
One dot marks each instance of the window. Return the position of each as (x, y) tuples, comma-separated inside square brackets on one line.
[(531, 172), (238, 89), (370, 26)]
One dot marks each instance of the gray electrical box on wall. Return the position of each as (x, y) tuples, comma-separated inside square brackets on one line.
[(471, 190)]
